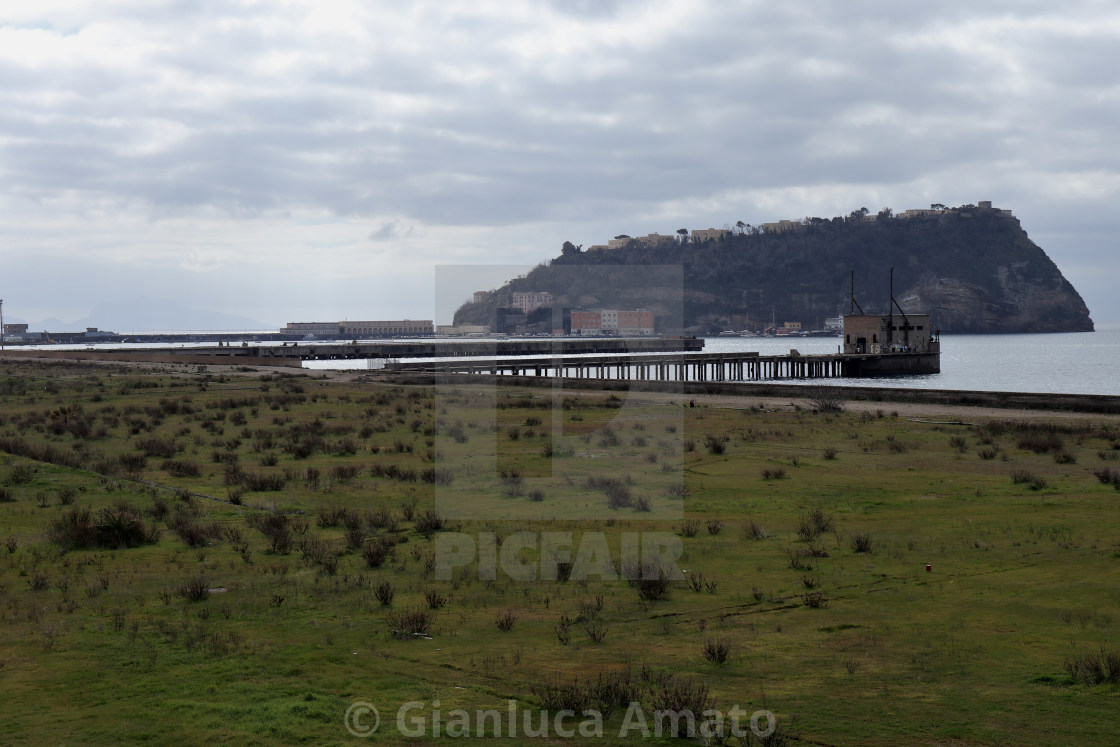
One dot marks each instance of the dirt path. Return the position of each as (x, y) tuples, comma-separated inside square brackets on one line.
[(920, 410)]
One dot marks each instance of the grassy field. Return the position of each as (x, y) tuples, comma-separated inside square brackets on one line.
[(237, 558)]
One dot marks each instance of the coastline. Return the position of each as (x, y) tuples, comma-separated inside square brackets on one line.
[(941, 404)]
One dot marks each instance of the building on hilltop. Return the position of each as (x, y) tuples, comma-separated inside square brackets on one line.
[(781, 226), (654, 240), (527, 302), (708, 234), (919, 213)]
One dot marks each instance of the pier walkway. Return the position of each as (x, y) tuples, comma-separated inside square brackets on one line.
[(747, 366)]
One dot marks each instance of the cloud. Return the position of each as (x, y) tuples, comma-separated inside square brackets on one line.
[(128, 127), (390, 231)]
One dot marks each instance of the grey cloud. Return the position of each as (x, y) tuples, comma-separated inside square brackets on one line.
[(390, 231), (451, 128)]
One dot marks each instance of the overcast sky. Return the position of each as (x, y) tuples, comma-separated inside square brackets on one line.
[(290, 160)]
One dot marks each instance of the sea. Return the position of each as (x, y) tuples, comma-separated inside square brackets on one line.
[(1069, 363), (1056, 363), (1062, 363)]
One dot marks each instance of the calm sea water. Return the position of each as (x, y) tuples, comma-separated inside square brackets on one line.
[(1074, 363)]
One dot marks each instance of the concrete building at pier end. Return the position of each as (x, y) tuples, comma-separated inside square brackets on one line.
[(891, 344)]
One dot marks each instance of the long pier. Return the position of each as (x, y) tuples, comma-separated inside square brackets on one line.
[(746, 366), (292, 354)]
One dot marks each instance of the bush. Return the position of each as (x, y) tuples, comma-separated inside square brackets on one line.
[(652, 584), (1041, 442), (157, 446), (505, 620), (715, 444), (433, 476), (329, 518), (345, 473), (860, 542), (512, 483), (681, 697), (1028, 478), (20, 474), (181, 468), (1108, 476), (383, 518), (825, 399), (384, 593), (753, 530), (355, 538), (408, 624), (260, 482), (821, 521), (195, 590), (717, 652), (596, 630), (116, 527), (813, 524), (618, 495), (1096, 668), (829, 453), (377, 552), (277, 529), (814, 599), (689, 527), (773, 473), (192, 534), (429, 522), (797, 561)]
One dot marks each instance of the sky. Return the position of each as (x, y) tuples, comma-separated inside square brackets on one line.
[(284, 160)]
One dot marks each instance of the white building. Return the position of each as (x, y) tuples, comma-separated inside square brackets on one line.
[(527, 302)]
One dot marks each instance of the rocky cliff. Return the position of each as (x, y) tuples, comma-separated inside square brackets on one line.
[(973, 269)]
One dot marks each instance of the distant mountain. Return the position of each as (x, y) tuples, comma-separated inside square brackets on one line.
[(49, 323), (973, 268), (149, 315)]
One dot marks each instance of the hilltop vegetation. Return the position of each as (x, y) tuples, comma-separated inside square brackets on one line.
[(973, 269)]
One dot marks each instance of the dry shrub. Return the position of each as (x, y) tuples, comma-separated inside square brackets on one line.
[(717, 651), (410, 623)]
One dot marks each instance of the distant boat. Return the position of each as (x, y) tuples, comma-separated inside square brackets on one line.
[(728, 333)]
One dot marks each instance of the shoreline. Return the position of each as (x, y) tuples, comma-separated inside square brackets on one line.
[(906, 402)]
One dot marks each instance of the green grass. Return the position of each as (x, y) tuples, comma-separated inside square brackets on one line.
[(108, 650)]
